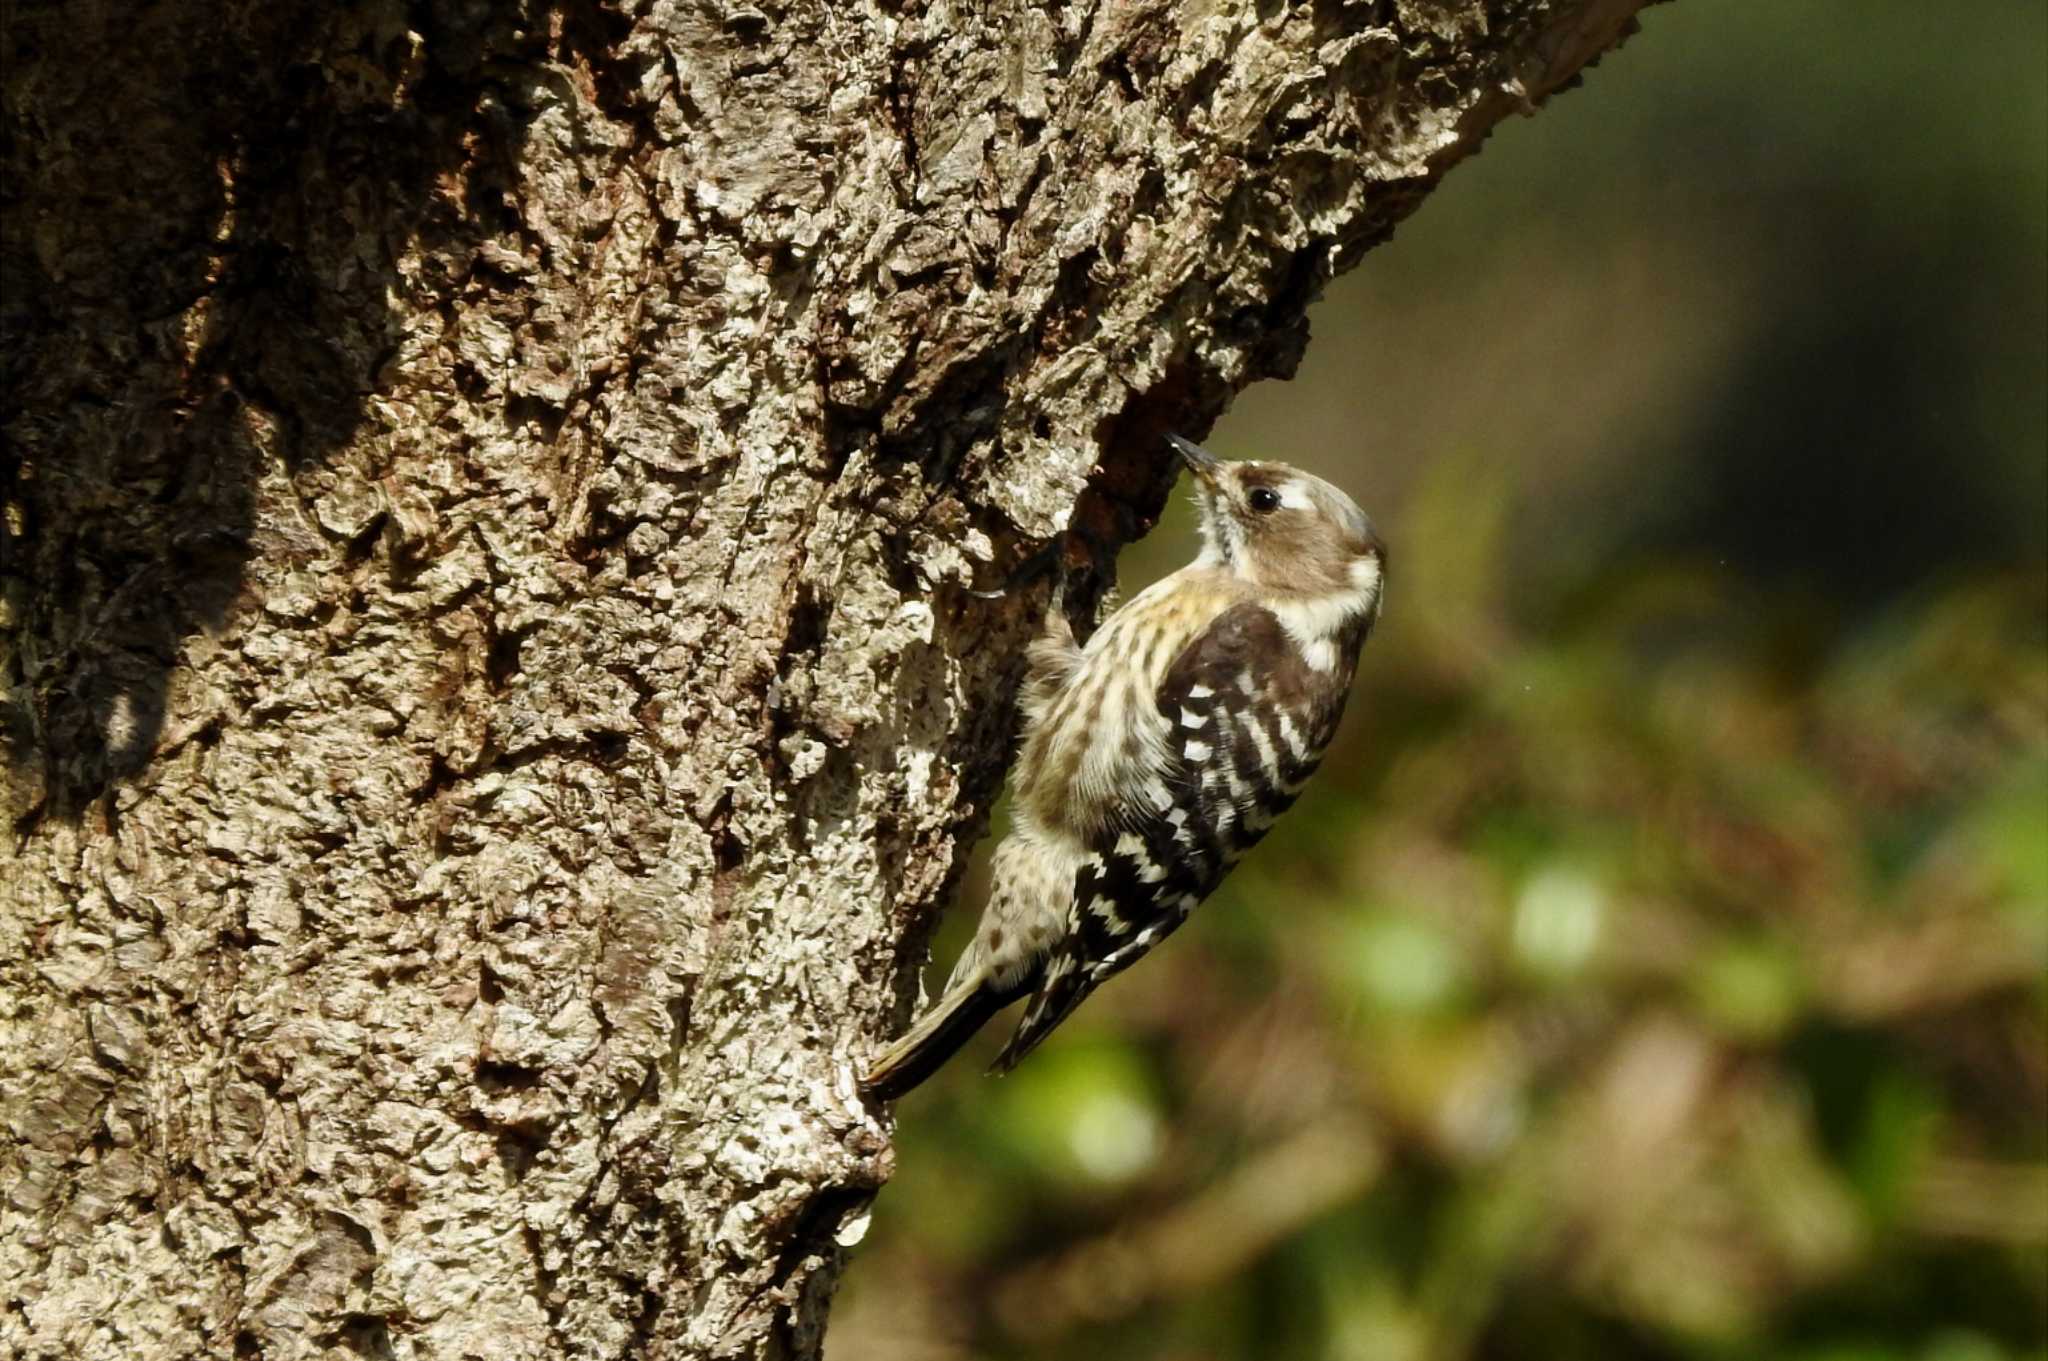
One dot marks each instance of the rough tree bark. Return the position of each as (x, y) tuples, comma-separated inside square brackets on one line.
[(494, 696)]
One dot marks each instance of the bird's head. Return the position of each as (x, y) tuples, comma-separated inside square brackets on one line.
[(1283, 530)]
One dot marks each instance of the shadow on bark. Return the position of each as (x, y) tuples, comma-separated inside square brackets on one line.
[(204, 210)]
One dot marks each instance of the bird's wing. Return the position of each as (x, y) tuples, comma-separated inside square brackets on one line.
[(1222, 773)]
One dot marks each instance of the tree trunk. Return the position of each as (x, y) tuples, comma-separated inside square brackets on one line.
[(495, 690)]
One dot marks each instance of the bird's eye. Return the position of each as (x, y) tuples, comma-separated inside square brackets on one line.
[(1263, 499)]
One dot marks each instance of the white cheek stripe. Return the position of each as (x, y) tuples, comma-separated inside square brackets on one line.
[(1321, 655), (1314, 623)]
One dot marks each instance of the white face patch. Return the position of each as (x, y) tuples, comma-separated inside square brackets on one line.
[(1320, 655), (1315, 622), (1306, 491), (1365, 576)]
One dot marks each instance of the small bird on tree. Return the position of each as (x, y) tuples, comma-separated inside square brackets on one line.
[(1159, 752)]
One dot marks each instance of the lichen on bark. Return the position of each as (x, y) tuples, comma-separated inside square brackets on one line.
[(496, 689)]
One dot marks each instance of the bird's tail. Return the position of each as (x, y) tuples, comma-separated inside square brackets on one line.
[(936, 1037)]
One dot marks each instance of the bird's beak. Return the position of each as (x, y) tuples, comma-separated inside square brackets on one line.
[(1203, 464)]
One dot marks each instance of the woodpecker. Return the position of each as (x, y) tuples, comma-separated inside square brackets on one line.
[(1156, 754)]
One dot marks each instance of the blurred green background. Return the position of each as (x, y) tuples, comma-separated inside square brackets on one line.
[(1656, 969)]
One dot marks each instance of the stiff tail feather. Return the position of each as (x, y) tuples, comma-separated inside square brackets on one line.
[(938, 1034)]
